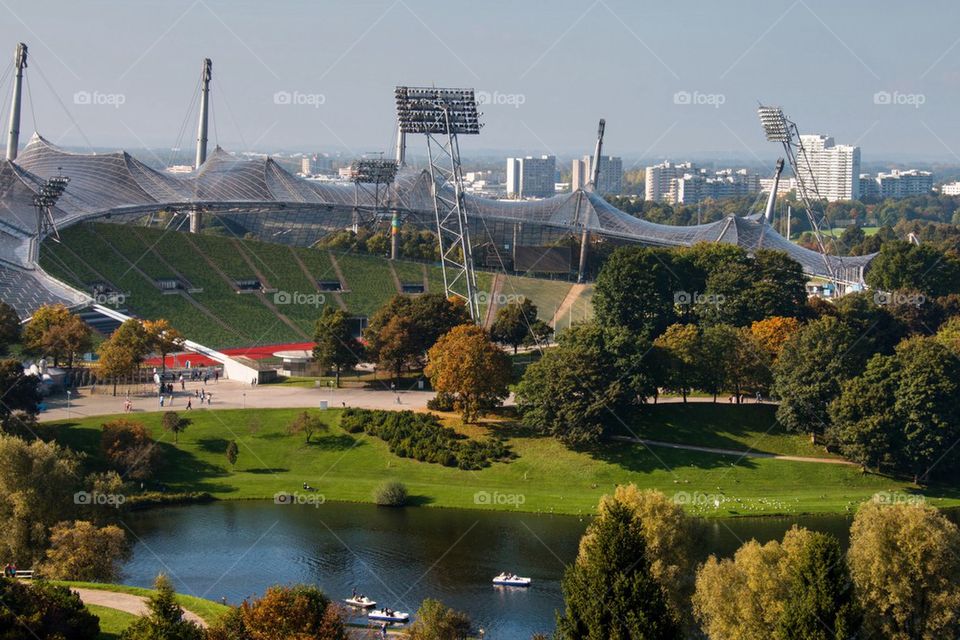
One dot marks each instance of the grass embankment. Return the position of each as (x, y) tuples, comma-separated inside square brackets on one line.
[(112, 621), (545, 476), (209, 610)]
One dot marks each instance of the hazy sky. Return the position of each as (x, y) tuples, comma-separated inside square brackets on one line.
[(671, 78)]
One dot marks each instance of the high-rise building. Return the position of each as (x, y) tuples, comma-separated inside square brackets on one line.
[(661, 180), (531, 177), (900, 184), (611, 174), (830, 169), (951, 189), (306, 166), (695, 187)]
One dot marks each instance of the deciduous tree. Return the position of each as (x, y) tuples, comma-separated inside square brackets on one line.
[(79, 550), (336, 348), (465, 364), (9, 327), (308, 424), (163, 339), (129, 449)]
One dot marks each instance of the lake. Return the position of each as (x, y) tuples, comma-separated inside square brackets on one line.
[(399, 557)]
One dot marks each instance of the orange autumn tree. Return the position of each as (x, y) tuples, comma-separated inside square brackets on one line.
[(771, 333), (473, 370)]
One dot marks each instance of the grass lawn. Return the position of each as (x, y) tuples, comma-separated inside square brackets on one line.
[(206, 609), (112, 621), (549, 477)]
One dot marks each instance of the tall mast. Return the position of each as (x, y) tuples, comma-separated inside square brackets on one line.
[(13, 139), (595, 172), (204, 112)]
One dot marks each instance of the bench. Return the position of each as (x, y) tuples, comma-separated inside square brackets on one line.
[(25, 574)]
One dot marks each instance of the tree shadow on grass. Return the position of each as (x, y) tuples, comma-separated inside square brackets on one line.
[(640, 458), (265, 470), (419, 501), (213, 445), (340, 442)]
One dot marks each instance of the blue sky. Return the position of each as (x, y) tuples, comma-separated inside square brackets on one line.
[(671, 79)]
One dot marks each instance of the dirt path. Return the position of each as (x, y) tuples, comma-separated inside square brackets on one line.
[(135, 605), (732, 452), (568, 301)]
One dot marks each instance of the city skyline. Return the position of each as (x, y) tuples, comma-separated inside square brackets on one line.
[(324, 80)]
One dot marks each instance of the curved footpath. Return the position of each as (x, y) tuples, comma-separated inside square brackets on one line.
[(732, 452), (127, 602)]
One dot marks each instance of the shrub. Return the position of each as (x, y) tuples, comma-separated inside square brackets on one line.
[(421, 436), (43, 610), (129, 449), (391, 494), (300, 611), (441, 402)]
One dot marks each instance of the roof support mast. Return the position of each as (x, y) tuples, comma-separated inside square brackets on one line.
[(595, 178), (13, 138), (205, 76)]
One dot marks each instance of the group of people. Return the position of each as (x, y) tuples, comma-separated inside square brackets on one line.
[(127, 406), (10, 570)]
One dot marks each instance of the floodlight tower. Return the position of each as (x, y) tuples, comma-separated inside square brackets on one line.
[(441, 115), (373, 178), (13, 136), (778, 129), (44, 201)]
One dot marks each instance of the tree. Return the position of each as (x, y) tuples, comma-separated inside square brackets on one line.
[(43, 610), (81, 551), (772, 333), (56, 332), (308, 424), (335, 348), (9, 327), (164, 618), (902, 265), (299, 612), (465, 364), (678, 355), (122, 353), (232, 453), (163, 339), (173, 423), (609, 594), (777, 590), (18, 391), (905, 564), (514, 324), (672, 540), (636, 289), (38, 481), (129, 449), (435, 621), (578, 387), (812, 366)]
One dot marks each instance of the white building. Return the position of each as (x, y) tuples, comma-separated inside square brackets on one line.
[(786, 185), (306, 166), (951, 189), (611, 174), (830, 169), (661, 180), (900, 184), (726, 183), (531, 177)]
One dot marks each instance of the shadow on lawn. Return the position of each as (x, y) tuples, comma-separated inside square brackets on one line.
[(338, 442), (640, 458), (213, 445)]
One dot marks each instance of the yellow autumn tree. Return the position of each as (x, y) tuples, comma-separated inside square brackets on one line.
[(466, 365)]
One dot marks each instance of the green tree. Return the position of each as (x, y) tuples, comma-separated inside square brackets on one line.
[(232, 453), (466, 365), (44, 610), (335, 348), (905, 563), (811, 368), (55, 332), (164, 618), (678, 356), (18, 391), (514, 323), (173, 423), (902, 265), (636, 289), (435, 621), (9, 327), (163, 339), (609, 594), (308, 424), (122, 353)]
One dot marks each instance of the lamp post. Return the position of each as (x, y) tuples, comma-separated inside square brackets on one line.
[(68, 403)]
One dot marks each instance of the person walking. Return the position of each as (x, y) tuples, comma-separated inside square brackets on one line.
[(189, 404)]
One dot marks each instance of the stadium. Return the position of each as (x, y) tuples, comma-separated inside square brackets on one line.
[(59, 252)]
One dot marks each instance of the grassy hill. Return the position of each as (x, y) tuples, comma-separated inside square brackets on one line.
[(548, 476), (132, 259)]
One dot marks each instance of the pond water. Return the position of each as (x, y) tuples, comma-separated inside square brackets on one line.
[(399, 557)]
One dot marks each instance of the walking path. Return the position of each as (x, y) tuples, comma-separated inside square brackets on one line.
[(732, 452), (135, 605)]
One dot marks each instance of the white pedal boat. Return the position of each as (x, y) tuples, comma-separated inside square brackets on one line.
[(510, 580), (392, 616), (361, 601)]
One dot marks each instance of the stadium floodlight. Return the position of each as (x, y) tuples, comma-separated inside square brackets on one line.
[(775, 124), (437, 110), (378, 171), (44, 201)]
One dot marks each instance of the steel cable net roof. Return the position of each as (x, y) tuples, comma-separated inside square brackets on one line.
[(117, 183)]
